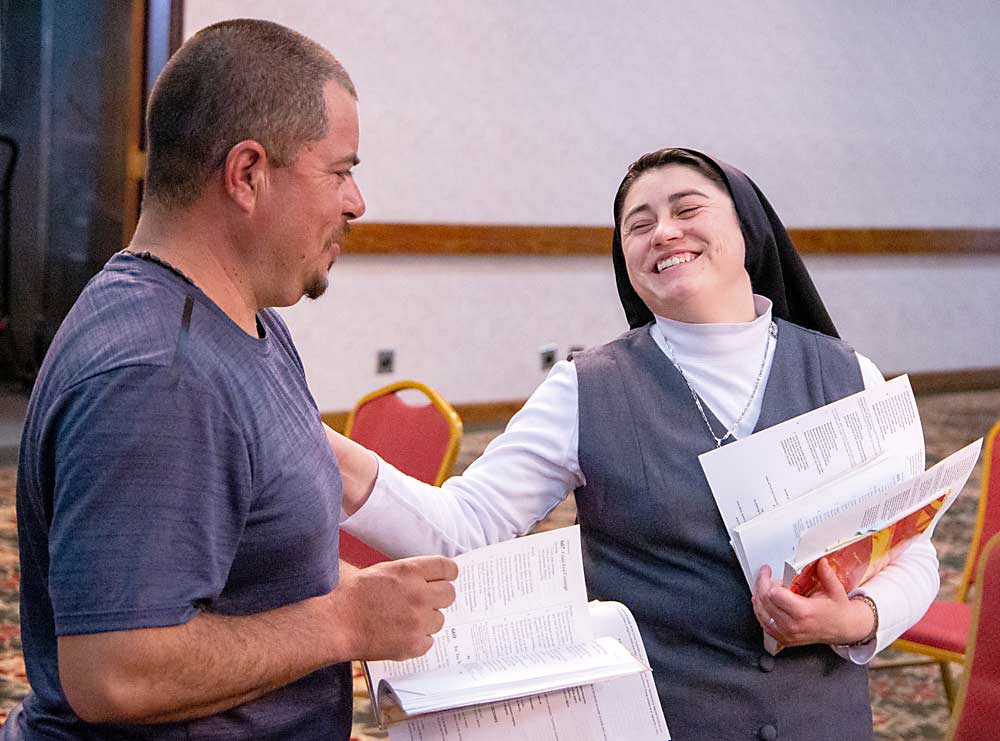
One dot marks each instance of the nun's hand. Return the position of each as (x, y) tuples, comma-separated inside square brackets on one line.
[(828, 616)]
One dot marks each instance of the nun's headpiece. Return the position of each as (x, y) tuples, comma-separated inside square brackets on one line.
[(776, 269)]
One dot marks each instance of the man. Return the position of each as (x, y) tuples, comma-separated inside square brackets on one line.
[(178, 499)]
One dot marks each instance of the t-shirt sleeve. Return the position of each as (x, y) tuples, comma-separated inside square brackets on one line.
[(152, 484)]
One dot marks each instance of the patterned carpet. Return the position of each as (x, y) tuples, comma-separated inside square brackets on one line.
[(906, 703)]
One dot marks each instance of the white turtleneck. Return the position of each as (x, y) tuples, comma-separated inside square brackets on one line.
[(722, 362), (530, 468)]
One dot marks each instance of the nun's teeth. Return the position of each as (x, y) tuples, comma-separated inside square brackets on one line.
[(675, 260)]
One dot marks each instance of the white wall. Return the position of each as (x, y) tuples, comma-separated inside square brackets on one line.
[(847, 114), (914, 313)]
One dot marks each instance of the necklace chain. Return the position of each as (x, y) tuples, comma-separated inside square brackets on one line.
[(772, 332), (150, 257)]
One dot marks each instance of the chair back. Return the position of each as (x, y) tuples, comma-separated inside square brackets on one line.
[(988, 518), (977, 710), (419, 439)]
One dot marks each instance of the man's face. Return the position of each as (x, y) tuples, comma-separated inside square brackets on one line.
[(313, 199), (683, 247)]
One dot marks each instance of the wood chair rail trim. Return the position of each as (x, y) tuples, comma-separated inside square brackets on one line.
[(372, 238)]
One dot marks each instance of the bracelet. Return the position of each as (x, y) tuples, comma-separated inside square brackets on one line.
[(874, 608)]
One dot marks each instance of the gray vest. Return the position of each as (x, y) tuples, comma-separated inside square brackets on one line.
[(654, 540)]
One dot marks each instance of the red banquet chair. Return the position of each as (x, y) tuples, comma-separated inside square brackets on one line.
[(977, 710), (942, 634), (419, 439)]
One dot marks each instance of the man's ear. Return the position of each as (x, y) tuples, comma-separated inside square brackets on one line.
[(245, 172)]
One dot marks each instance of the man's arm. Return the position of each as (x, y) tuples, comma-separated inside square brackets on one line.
[(215, 662), (358, 469)]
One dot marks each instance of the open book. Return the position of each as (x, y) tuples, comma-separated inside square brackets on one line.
[(861, 556), (845, 481), (523, 656)]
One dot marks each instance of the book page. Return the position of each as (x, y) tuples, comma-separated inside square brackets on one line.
[(885, 530), (631, 704), (514, 676), (771, 538), (512, 598), (946, 478), (857, 561), (623, 708), (574, 714), (779, 464)]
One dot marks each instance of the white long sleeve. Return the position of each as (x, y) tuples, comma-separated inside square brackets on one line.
[(526, 471), (904, 589), (519, 478)]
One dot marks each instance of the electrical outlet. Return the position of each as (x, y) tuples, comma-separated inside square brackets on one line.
[(385, 361), (548, 356)]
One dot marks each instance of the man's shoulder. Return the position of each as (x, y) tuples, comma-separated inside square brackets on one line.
[(122, 318), (134, 313), (137, 320)]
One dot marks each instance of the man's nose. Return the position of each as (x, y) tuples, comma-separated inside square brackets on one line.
[(354, 203)]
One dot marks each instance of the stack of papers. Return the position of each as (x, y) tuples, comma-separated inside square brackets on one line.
[(522, 655), (846, 481)]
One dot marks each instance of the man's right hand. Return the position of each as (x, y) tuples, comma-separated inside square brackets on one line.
[(391, 610), (215, 662)]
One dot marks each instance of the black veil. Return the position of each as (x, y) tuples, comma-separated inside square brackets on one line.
[(775, 267)]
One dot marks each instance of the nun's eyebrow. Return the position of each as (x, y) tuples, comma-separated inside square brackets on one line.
[(674, 197), (636, 209)]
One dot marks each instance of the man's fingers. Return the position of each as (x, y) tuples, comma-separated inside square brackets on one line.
[(422, 646), (438, 621), (435, 568), (441, 594)]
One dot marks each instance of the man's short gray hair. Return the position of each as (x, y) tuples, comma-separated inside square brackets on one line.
[(232, 81)]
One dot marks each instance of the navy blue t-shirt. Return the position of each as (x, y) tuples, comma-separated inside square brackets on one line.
[(171, 463)]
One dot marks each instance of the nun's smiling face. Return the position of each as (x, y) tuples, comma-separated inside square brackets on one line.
[(684, 249)]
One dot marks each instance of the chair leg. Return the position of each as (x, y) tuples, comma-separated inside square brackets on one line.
[(949, 684)]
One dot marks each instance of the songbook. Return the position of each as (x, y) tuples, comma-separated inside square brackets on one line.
[(522, 655), (860, 557), (845, 481)]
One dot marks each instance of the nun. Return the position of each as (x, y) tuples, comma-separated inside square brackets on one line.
[(728, 335)]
